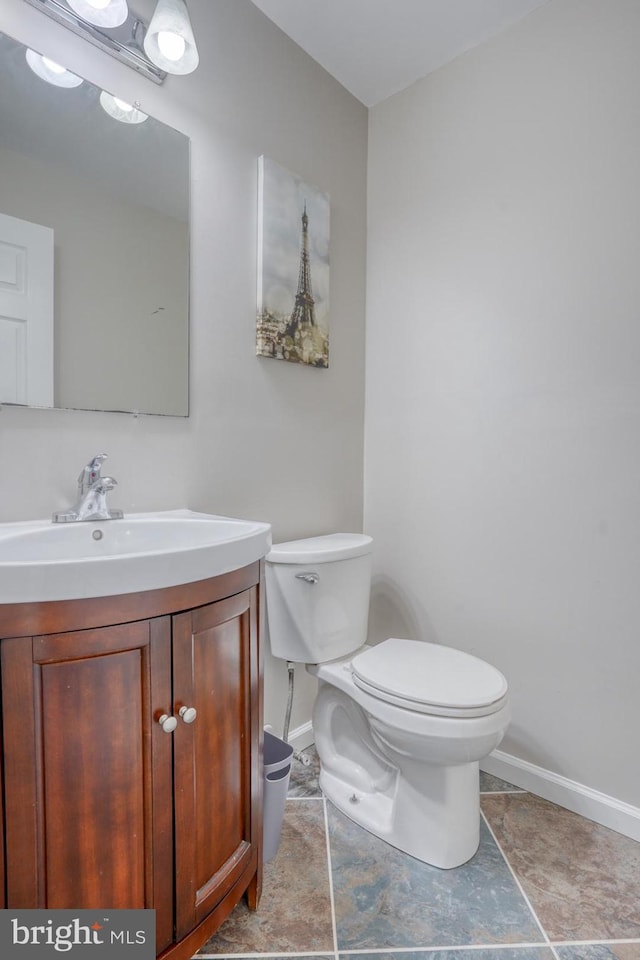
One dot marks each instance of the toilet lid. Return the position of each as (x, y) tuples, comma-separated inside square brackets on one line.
[(323, 549), (429, 678)]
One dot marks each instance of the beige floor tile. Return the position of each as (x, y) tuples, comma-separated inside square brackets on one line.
[(294, 915), (582, 879)]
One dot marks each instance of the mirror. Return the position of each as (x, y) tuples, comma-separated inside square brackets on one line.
[(94, 251)]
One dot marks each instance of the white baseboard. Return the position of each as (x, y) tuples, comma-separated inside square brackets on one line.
[(302, 737), (589, 803)]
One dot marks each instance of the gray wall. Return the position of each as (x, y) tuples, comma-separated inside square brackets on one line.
[(265, 439), (503, 387)]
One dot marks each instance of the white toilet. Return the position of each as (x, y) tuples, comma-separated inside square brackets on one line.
[(399, 727)]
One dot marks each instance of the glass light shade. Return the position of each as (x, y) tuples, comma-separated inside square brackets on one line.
[(51, 71), (104, 13), (119, 110), (169, 41)]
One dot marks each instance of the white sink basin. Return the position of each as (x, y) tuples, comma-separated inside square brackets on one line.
[(40, 560)]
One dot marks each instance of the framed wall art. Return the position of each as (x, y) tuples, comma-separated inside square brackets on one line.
[(293, 268)]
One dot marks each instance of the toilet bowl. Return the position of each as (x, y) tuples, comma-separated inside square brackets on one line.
[(399, 727)]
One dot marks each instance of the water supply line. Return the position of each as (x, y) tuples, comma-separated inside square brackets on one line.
[(302, 757)]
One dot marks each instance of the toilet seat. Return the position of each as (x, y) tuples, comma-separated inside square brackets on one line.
[(429, 678)]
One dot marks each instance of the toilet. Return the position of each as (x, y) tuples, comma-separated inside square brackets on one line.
[(400, 727)]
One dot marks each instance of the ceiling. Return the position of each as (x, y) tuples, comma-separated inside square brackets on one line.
[(376, 48)]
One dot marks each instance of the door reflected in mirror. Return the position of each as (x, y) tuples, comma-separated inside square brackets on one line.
[(94, 248)]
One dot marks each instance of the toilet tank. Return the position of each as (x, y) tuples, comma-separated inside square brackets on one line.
[(318, 596)]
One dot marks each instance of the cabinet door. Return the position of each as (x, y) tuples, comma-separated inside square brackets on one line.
[(3, 892), (88, 771), (216, 763)]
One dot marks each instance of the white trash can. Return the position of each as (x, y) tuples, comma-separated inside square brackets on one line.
[(277, 768)]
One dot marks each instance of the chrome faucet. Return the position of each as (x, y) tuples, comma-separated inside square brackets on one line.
[(92, 496)]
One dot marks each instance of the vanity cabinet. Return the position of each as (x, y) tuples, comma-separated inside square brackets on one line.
[(131, 733)]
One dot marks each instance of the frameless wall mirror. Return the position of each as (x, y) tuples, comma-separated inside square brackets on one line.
[(94, 247)]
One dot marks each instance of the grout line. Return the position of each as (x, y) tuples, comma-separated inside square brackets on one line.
[(449, 948), (331, 893), (591, 943), (497, 793), (254, 956), (357, 951), (454, 948), (520, 887)]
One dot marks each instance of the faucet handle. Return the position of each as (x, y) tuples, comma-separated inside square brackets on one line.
[(91, 473)]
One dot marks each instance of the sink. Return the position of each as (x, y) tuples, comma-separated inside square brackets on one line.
[(42, 561)]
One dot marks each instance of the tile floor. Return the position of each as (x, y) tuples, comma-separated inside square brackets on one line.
[(545, 884)]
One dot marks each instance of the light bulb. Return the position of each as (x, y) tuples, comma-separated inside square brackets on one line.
[(52, 72), (104, 13), (53, 66), (169, 40), (120, 109), (171, 45)]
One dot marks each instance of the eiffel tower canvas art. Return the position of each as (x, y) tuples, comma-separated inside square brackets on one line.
[(293, 268)]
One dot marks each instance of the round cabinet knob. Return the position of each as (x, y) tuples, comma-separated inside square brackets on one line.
[(167, 723), (188, 714)]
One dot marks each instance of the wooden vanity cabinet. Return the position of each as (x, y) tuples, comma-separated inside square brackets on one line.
[(105, 805)]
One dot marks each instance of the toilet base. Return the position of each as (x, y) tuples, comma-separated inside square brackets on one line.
[(430, 810), (436, 833)]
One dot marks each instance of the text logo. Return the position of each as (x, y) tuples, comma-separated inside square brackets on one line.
[(33, 934)]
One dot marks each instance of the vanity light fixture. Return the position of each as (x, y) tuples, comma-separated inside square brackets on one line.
[(166, 45), (120, 110), (104, 13), (169, 41), (52, 72)]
